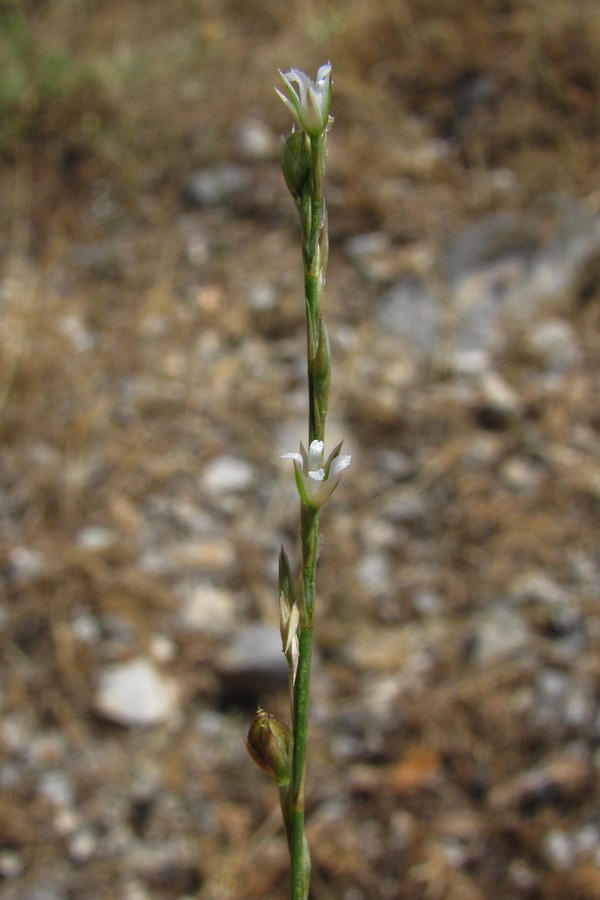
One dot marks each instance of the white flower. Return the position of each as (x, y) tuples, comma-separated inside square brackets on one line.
[(310, 102), (316, 480)]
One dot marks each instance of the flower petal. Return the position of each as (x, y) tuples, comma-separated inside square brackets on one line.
[(339, 464), (315, 455), (295, 456)]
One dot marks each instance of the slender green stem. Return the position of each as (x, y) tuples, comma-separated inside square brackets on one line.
[(300, 859), (315, 252), (299, 855)]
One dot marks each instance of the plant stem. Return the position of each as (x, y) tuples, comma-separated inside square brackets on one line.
[(313, 224), (300, 859)]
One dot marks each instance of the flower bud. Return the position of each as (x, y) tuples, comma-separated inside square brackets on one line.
[(269, 743), (296, 163)]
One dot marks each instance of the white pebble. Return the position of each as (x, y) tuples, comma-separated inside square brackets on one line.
[(207, 608), (11, 864), (226, 475), (135, 693), (95, 537)]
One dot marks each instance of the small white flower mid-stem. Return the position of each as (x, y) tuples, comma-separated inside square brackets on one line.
[(315, 479)]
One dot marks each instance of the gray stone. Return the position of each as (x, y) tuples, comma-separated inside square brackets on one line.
[(522, 474), (500, 634), (210, 187), (254, 663), (535, 586), (255, 140), (207, 608), (553, 342), (500, 271), (11, 864), (479, 303), (559, 849), (261, 296), (490, 240), (411, 311), (372, 254), (56, 788)]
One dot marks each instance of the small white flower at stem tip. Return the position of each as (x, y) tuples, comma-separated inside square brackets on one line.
[(316, 480), (309, 101)]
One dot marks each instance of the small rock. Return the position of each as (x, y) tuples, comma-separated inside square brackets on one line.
[(554, 343), (501, 634), (255, 140), (559, 850), (373, 572), (254, 663), (371, 252), (499, 403), (467, 362), (226, 475), (135, 693), (71, 327), (521, 474), (396, 463), (406, 505), (56, 788), (483, 451), (537, 587), (95, 537), (24, 564), (404, 650), (163, 649), (83, 845), (410, 310), (493, 238), (587, 839), (207, 608), (261, 296), (85, 626), (479, 301), (14, 733), (211, 187), (363, 245), (11, 864), (522, 875), (66, 821), (427, 602), (197, 246)]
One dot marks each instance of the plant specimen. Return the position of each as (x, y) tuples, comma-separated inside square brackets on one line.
[(278, 749)]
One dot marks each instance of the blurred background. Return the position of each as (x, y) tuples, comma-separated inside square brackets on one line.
[(151, 374)]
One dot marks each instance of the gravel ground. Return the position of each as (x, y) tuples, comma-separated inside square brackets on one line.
[(152, 376)]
